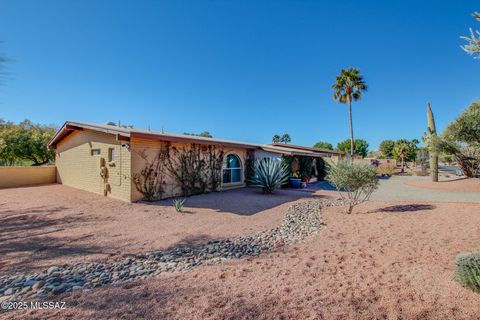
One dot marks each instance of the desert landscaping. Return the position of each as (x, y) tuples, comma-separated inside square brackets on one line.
[(390, 259), (239, 160)]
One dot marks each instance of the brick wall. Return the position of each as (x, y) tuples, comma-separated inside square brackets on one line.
[(151, 148), (78, 168)]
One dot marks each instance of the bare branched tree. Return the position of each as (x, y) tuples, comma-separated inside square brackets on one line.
[(473, 42)]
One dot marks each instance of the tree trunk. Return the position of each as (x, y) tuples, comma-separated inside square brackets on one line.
[(351, 128), (434, 166)]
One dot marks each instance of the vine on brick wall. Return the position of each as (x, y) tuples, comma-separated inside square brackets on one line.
[(149, 182), (195, 169)]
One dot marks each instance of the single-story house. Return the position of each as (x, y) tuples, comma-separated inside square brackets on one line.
[(122, 161)]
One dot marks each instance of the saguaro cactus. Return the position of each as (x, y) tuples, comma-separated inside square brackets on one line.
[(432, 132)]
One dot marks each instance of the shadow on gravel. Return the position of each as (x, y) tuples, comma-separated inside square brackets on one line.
[(406, 208), (242, 201), (29, 237)]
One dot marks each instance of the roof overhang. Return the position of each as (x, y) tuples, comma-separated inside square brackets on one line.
[(191, 139), (315, 150), (291, 152), (69, 127)]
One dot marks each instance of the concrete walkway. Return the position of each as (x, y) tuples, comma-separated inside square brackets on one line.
[(395, 189)]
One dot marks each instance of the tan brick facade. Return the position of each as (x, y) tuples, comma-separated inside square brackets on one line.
[(79, 168), (151, 148)]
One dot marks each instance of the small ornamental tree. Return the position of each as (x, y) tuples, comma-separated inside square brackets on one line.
[(354, 181)]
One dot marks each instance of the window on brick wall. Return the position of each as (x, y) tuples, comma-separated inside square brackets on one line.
[(111, 154)]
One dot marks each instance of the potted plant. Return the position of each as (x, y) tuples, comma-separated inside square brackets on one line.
[(295, 180)]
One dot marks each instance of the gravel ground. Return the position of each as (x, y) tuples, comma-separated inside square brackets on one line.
[(55, 224), (390, 260), (301, 221)]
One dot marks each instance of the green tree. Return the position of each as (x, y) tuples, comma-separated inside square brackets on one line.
[(285, 138), (276, 139), (25, 142), (473, 42), (465, 128), (204, 134), (405, 150), (7, 143), (461, 139), (349, 87), (386, 148), (361, 147), (323, 145)]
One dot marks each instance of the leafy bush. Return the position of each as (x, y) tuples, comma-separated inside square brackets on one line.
[(270, 174), (322, 169), (178, 204), (386, 169), (467, 270), (354, 181)]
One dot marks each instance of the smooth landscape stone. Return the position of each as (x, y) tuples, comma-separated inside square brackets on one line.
[(300, 222)]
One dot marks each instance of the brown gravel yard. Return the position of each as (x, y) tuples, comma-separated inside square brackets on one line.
[(388, 260), (55, 224)]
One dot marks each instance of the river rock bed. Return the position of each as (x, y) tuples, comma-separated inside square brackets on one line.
[(301, 221)]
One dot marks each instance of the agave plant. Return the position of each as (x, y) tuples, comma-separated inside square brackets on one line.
[(269, 175), (178, 204)]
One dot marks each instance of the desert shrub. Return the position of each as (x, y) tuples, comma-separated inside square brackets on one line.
[(354, 181), (178, 204), (269, 175), (386, 169), (467, 270)]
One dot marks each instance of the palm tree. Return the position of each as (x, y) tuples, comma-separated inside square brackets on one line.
[(401, 150), (286, 138), (276, 139), (349, 87)]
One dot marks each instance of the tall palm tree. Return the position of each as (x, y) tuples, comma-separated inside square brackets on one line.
[(348, 88), (276, 139)]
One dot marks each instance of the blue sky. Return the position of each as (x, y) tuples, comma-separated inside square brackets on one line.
[(243, 70)]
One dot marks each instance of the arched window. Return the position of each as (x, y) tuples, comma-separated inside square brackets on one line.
[(232, 169)]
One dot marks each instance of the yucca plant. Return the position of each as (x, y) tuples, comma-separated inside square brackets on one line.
[(467, 270), (178, 204), (269, 174)]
